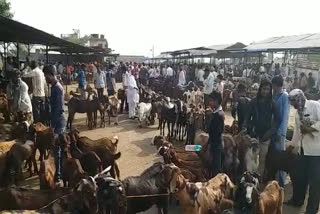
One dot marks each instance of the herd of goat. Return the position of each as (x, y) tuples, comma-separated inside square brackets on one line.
[(92, 183)]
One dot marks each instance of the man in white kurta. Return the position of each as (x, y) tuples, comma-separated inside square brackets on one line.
[(182, 78), (306, 140), (208, 86), (132, 95)]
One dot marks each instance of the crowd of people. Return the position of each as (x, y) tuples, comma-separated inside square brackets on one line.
[(264, 116)]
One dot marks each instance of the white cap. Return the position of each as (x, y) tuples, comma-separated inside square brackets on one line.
[(295, 92)]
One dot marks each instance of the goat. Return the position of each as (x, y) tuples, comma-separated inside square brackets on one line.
[(83, 199), (113, 108), (271, 199), (144, 113), (18, 198), (151, 182), (105, 148), (47, 172)]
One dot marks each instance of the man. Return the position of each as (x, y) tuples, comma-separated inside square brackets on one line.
[(169, 73), (82, 82), (110, 80), (99, 80), (306, 138), (215, 129), (220, 84), (144, 75), (132, 95), (281, 98), (208, 85), (200, 75), (60, 69), (311, 82), (58, 122), (18, 97), (241, 105), (182, 77), (40, 90), (303, 83)]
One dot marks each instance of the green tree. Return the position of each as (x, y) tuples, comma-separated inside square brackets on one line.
[(5, 9)]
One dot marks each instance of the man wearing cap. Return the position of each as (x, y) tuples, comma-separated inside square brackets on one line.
[(306, 141), (19, 100)]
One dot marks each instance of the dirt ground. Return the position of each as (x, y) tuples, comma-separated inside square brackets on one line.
[(136, 152)]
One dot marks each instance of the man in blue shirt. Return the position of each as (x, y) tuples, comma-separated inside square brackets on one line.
[(82, 81), (281, 98), (58, 121)]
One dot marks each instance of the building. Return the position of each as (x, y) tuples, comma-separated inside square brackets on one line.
[(96, 40)]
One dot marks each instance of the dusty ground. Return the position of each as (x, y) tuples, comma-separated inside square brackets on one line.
[(137, 153)]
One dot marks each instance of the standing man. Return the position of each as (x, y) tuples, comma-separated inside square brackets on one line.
[(58, 121), (208, 85), (99, 80), (132, 95), (281, 98), (311, 82), (306, 138), (40, 90), (144, 75), (82, 82), (215, 129), (182, 77), (18, 97), (200, 75), (169, 73), (110, 80)]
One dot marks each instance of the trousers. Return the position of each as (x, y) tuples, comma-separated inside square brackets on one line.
[(309, 176), (59, 128), (100, 93), (38, 107), (280, 146), (216, 160), (263, 147), (132, 109)]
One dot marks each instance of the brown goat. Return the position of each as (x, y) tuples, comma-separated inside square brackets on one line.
[(18, 198), (83, 199), (44, 140), (271, 199), (47, 173)]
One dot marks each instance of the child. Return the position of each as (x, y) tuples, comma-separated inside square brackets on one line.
[(215, 129)]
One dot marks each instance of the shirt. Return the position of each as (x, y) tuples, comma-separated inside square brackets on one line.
[(182, 78), (282, 102), (19, 95), (109, 79), (40, 88), (169, 72), (60, 68), (82, 79), (208, 84), (200, 75), (56, 102), (310, 143), (99, 79), (216, 128)]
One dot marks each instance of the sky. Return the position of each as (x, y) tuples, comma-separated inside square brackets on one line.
[(133, 27)]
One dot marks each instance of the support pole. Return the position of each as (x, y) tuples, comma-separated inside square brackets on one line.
[(18, 54), (47, 54)]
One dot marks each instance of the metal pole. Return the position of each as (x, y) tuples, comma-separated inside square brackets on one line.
[(47, 55), (18, 54)]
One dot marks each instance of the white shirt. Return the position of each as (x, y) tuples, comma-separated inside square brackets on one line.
[(208, 84), (23, 100), (182, 78), (200, 75), (311, 144), (99, 79), (220, 86), (60, 68), (153, 73), (39, 84), (169, 72)]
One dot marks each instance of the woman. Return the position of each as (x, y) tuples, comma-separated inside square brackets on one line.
[(262, 120)]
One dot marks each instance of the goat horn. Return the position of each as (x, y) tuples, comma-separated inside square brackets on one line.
[(103, 172)]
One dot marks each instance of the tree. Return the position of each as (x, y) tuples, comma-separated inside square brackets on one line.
[(5, 9)]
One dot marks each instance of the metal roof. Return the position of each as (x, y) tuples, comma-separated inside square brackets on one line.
[(294, 42), (233, 46), (13, 31)]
